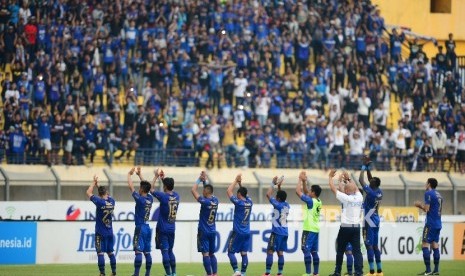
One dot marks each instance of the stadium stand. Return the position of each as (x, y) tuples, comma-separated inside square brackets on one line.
[(227, 84)]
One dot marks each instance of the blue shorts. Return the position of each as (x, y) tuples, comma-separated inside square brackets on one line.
[(164, 241), (349, 247), (431, 234), (206, 242), (309, 241), (277, 243), (238, 242), (370, 235), (142, 238), (104, 243)]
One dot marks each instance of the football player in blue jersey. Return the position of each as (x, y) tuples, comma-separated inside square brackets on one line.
[(373, 198), (206, 231), (433, 208), (166, 225), (142, 233), (239, 238), (104, 239), (279, 232)]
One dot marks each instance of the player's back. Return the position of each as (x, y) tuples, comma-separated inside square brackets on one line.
[(143, 207), (103, 216), (433, 216), (372, 202), (169, 203), (281, 212), (242, 210), (207, 216)]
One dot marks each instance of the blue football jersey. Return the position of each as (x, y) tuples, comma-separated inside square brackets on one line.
[(371, 204), (242, 211), (104, 213), (433, 217), (143, 206), (280, 214), (169, 203), (207, 216)]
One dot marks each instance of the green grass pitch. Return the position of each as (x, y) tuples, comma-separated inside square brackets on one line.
[(447, 268)]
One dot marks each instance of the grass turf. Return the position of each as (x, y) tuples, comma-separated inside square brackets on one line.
[(447, 268)]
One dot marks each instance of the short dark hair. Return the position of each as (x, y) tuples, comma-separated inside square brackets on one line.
[(102, 190), (281, 195), (376, 181), (433, 182), (168, 183), (242, 191), (145, 186), (208, 188), (316, 189)]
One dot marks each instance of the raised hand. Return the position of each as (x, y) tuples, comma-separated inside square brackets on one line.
[(96, 180), (239, 178), (332, 173), (138, 171), (275, 180), (131, 172), (303, 176)]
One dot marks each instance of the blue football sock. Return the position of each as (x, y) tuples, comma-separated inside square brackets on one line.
[(371, 259), (207, 264), (214, 263), (112, 263), (316, 262), (166, 261), (350, 263), (436, 257), (280, 264), (233, 261), (378, 259), (426, 258), (269, 262), (308, 262), (245, 263), (101, 263), (148, 263), (137, 263), (172, 261)]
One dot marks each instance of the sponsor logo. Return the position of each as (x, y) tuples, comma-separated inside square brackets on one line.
[(459, 244), (72, 213), (18, 242)]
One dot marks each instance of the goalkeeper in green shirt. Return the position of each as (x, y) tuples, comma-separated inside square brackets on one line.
[(311, 227)]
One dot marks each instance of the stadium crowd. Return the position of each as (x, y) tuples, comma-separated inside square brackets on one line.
[(289, 83)]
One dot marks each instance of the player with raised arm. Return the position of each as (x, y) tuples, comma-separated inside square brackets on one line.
[(239, 238), (166, 225), (206, 231), (279, 232), (142, 233), (311, 226), (104, 239), (433, 207), (373, 198)]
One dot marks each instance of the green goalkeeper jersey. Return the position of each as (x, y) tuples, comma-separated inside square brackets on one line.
[(312, 210)]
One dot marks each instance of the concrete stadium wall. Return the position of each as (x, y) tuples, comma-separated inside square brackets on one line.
[(39, 183), (416, 15)]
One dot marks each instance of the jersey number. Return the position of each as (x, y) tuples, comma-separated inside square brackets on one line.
[(173, 211), (246, 216), (212, 216), (107, 217)]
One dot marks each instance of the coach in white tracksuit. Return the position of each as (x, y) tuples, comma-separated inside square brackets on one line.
[(349, 232)]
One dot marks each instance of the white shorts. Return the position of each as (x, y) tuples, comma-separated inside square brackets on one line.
[(45, 143), (69, 146)]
